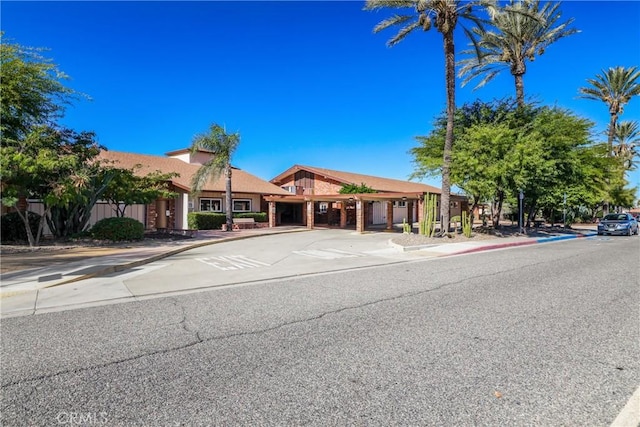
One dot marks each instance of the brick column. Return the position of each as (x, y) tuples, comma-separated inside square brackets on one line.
[(343, 214), (410, 212), (171, 220), (389, 215), (360, 221), (310, 213), (420, 208), (272, 214), (151, 216)]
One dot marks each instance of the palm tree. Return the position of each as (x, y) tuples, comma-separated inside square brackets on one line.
[(444, 15), (222, 145), (614, 87), (524, 29), (627, 139)]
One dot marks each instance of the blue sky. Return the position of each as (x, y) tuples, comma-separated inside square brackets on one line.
[(303, 82)]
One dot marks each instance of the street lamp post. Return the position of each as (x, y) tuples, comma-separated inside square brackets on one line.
[(521, 214), (564, 210)]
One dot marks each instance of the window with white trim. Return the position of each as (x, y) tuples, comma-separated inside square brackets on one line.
[(242, 205), (400, 204), (211, 205)]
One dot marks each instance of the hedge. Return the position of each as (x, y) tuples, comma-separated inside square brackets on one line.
[(257, 216), (214, 220), (205, 220)]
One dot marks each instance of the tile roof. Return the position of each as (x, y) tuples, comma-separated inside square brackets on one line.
[(377, 183), (241, 181)]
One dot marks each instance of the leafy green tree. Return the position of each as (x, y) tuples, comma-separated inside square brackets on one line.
[(222, 145), (482, 137), (39, 159), (32, 91), (58, 167), (444, 15), (356, 189), (501, 149), (518, 32), (550, 161), (128, 187)]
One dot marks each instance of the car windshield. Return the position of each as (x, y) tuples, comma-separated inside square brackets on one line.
[(615, 217)]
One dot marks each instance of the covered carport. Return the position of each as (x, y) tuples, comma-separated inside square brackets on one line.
[(339, 205)]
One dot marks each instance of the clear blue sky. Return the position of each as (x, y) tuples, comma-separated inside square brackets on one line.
[(303, 82)]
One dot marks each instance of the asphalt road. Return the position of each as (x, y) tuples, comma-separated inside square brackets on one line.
[(541, 335)]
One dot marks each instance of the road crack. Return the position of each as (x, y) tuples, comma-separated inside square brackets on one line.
[(200, 340)]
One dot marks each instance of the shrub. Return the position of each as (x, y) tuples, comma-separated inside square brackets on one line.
[(206, 220), (12, 227), (257, 216), (214, 220), (118, 229)]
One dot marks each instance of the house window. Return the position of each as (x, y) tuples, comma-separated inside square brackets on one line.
[(400, 204), (242, 205), (211, 205), (453, 204)]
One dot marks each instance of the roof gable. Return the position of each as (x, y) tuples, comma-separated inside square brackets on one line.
[(241, 181), (377, 183)]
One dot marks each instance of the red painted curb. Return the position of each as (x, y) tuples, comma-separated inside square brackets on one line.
[(490, 247)]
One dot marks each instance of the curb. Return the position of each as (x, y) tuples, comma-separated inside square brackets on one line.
[(513, 244), (121, 267), (496, 245)]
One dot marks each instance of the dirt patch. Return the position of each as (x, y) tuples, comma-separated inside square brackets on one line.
[(51, 245)]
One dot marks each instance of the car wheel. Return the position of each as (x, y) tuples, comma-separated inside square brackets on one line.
[(630, 232)]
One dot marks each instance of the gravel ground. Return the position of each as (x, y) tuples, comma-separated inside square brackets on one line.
[(480, 233), (418, 239)]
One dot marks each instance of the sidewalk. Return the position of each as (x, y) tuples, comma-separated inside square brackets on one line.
[(20, 289), (54, 269)]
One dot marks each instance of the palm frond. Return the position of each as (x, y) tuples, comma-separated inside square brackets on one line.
[(222, 146), (403, 33), (395, 4), (615, 86), (389, 22)]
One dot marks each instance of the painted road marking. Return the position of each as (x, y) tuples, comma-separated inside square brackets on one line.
[(328, 253), (232, 262)]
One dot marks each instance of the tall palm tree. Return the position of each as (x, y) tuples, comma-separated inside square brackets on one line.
[(615, 87), (523, 29), (627, 140), (443, 15), (222, 145)]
